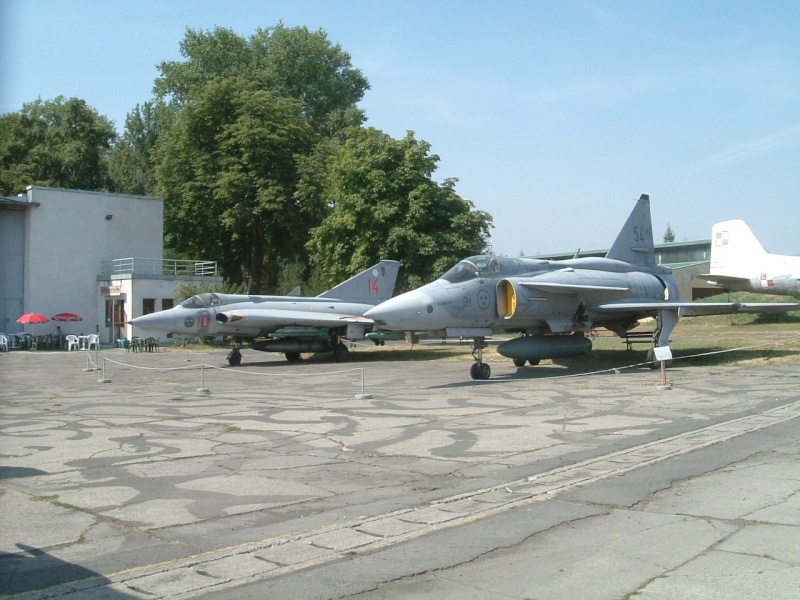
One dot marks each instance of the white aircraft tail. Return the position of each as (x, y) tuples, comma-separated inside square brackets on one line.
[(373, 286), (734, 248), (634, 244)]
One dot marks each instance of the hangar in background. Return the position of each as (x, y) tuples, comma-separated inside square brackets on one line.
[(79, 251), (686, 259)]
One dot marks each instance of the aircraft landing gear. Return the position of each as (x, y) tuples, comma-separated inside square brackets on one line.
[(340, 352), (520, 362), (292, 356), (234, 357), (479, 369)]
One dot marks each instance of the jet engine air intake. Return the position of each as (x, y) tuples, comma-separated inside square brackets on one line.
[(506, 299)]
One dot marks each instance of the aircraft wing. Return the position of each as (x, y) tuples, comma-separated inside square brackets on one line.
[(268, 319), (722, 280), (699, 309)]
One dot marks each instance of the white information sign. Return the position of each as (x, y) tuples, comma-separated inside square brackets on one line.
[(663, 353)]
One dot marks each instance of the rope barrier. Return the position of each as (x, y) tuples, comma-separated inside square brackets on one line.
[(363, 395), (204, 366)]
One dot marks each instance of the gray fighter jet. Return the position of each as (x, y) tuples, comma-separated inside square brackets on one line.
[(288, 324), (552, 303)]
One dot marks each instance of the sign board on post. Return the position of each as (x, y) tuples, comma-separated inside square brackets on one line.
[(662, 353)]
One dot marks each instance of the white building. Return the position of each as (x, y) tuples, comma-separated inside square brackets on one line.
[(77, 251)]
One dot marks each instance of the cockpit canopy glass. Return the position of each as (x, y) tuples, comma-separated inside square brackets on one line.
[(473, 267), (201, 301)]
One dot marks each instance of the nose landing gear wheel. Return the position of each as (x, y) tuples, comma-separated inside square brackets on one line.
[(234, 357), (479, 369)]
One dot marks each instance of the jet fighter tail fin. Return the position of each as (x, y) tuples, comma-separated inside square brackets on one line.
[(372, 286), (634, 244), (733, 246)]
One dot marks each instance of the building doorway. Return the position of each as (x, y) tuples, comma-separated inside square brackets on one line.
[(115, 319)]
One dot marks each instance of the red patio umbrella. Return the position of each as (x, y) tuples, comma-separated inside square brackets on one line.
[(32, 318), (68, 317)]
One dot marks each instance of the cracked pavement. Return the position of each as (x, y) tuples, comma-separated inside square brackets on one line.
[(283, 480)]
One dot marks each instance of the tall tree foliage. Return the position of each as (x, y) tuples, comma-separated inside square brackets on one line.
[(131, 163), (228, 170), (60, 143), (293, 71), (290, 62), (385, 204)]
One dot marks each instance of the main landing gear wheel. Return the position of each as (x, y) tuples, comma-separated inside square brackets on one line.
[(520, 362), (340, 353), (480, 371), (235, 357), (292, 356)]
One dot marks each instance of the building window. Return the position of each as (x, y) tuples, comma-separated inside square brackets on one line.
[(167, 303), (148, 306)]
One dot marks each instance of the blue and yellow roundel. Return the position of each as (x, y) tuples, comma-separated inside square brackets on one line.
[(188, 322)]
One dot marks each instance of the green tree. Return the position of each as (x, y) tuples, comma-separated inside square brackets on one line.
[(289, 62), (60, 143), (228, 172), (131, 163), (669, 235), (385, 204), (291, 67)]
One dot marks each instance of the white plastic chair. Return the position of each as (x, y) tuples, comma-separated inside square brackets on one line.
[(3, 342), (94, 340), (72, 342)]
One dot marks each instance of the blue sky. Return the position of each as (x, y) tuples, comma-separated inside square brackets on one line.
[(553, 116)]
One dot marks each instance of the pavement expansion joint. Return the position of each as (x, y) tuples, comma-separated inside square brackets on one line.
[(273, 557)]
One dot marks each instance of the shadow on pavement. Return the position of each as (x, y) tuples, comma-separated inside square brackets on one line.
[(35, 570)]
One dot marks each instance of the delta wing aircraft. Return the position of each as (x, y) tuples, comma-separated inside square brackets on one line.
[(739, 262), (288, 324), (552, 303)]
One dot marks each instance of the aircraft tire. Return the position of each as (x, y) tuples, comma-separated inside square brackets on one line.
[(534, 362), (519, 362), (292, 356), (480, 371), (484, 370), (234, 358), (340, 353)]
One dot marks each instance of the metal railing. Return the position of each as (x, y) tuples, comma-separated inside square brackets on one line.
[(159, 266)]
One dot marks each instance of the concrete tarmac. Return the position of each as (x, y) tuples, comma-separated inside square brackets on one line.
[(178, 477)]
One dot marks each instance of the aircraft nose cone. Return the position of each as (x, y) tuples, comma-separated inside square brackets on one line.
[(166, 320), (406, 312)]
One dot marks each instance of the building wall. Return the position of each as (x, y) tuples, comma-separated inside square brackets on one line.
[(68, 235), (57, 247), (12, 276)]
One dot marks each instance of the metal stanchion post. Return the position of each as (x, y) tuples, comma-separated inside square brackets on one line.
[(104, 379), (362, 395), (202, 387)]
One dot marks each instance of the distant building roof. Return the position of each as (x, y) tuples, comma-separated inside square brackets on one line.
[(682, 252)]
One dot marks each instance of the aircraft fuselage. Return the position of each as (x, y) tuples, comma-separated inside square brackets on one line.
[(529, 295)]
